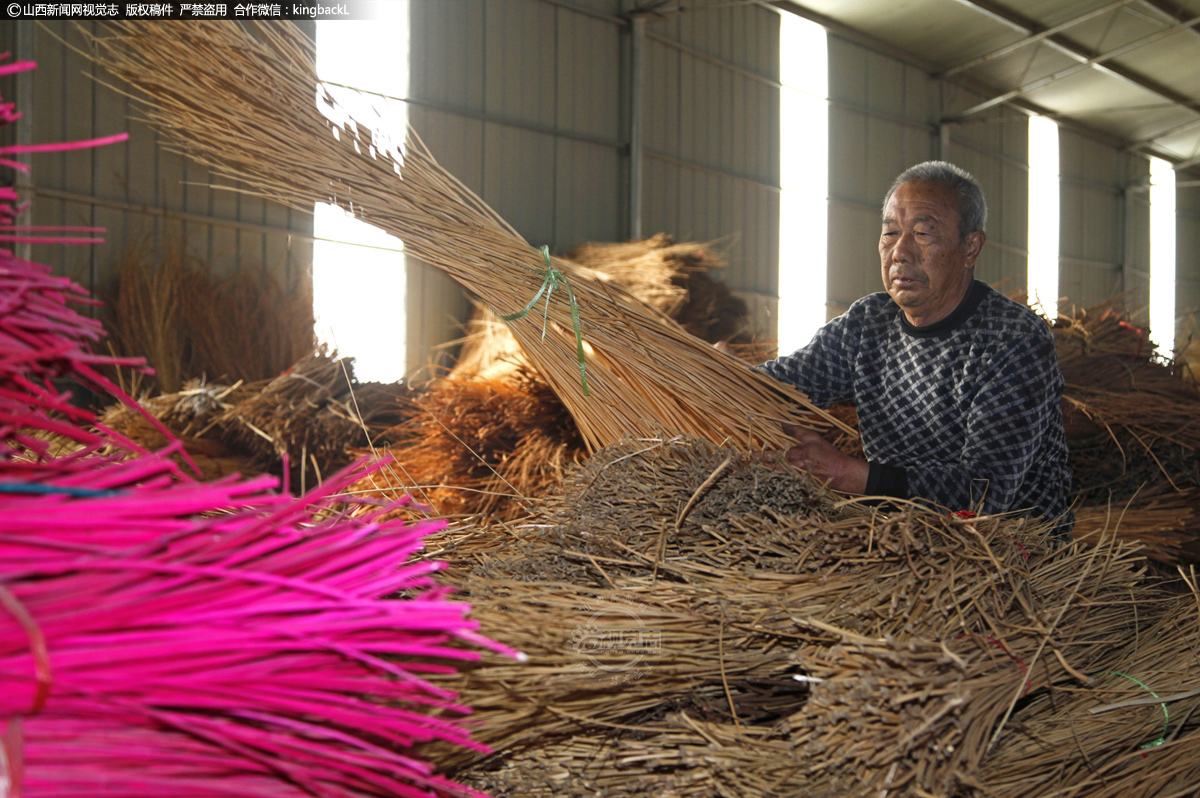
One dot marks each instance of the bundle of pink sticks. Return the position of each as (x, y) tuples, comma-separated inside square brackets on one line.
[(162, 636)]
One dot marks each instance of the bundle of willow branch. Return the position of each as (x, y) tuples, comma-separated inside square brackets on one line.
[(478, 447), (1133, 718), (192, 325), (245, 326), (671, 594), (315, 414), (493, 434), (144, 314), (674, 279), (670, 278), (644, 374)]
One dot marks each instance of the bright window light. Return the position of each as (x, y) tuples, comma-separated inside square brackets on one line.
[(358, 270), (1162, 256), (804, 178), (1043, 215)]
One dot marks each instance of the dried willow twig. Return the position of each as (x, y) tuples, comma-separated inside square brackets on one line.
[(911, 632)]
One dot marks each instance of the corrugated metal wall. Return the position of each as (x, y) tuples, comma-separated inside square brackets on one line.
[(881, 114), (995, 148), (1187, 264), (527, 101), (522, 101), (883, 119), (712, 138), (136, 190), (1097, 239)]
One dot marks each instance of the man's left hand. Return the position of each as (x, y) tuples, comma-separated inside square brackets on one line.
[(820, 458)]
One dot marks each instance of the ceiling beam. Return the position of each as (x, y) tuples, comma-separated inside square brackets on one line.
[(1080, 54), (1090, 62), (849, 33), (1162, 134), (1035, 38)]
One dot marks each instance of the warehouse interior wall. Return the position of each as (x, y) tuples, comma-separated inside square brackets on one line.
[(712, 126), (522, 101), (138, 191), (881, 114), (1104, 236)]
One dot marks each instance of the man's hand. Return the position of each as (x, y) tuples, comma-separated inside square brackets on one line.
[(818, 457)]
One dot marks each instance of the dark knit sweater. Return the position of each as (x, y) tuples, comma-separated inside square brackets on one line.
[(965, 412)]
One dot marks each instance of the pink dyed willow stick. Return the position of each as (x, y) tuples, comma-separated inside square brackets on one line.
[(160, 636)]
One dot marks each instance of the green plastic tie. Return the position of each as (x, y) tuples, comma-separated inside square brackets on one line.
[(555, 279), (1166, 715)]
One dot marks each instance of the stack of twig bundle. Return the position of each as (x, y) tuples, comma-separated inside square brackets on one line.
[(674, 278), (1121, 401), (313, 417), (191, 325), (667, 615), (644, 373)]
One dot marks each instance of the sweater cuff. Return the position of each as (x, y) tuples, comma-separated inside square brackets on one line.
[(887, 480)]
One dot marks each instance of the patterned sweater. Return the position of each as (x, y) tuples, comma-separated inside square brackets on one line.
[(964, 412)]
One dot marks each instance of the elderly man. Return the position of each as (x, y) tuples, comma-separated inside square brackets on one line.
[(957, 387)]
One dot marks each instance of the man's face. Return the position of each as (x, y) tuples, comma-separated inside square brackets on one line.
[(926, 269)]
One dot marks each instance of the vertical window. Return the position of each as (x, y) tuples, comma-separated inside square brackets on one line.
[(1043, 215), (804, 178), (1162, 256), (358, 270)]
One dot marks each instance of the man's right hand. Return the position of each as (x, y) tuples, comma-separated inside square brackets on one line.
[(821, 458)]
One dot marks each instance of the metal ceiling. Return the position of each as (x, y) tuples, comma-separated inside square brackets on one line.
[(1126, 69)]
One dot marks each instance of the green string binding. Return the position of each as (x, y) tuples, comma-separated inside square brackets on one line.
[(1166, 715), (555, 279)]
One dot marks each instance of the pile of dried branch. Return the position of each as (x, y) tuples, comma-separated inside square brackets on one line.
[(314, 416), (478, 446), (1132, 419), (493, 434), (700, 624), (675, 279), (186, 414)]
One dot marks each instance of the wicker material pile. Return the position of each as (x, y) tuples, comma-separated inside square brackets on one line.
[(698, 624), (191, 325), (186, 415), (1131, 419), (494, 435), (312, 416)]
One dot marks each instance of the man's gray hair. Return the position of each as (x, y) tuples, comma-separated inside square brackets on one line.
[(972, 207)]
